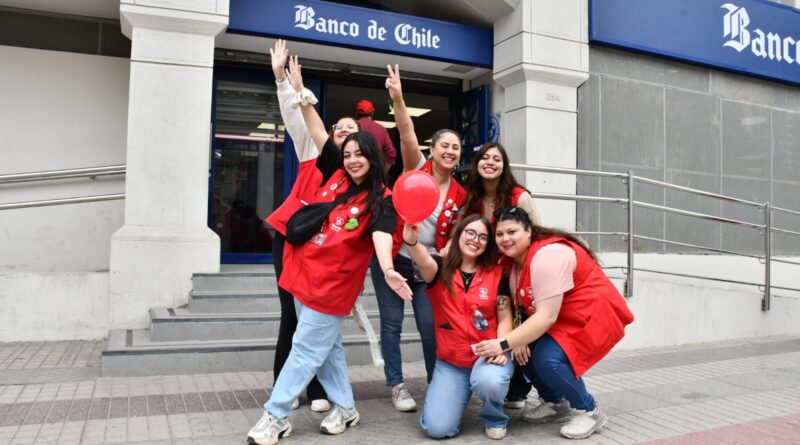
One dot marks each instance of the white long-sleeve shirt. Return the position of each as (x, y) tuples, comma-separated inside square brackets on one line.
[(295, 124)]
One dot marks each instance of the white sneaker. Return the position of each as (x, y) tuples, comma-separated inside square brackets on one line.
[(338, 420), (514, 403), (495, 433), (402, 399), (268, 430), (295, 404), (548, 412), (320, 405), (584, 423)]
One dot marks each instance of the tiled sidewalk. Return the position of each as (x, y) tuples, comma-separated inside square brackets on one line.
[(735, 392)]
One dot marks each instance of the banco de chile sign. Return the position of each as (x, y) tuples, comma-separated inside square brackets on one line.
[(364, 28), (754, 37)]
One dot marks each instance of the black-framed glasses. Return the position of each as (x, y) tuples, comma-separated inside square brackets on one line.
[(348, 127), (473, 235)]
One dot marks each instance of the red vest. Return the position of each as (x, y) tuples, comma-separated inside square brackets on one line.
[(453, 345), (593, 314), (516, 192), (327, 272), (307, 183), (452, 203)]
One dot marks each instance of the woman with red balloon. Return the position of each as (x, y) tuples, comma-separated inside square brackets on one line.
[(360, 223), (446, 195), (471, 302)]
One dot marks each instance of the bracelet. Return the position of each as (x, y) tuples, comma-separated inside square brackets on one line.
[(397, 101), (409, 244)]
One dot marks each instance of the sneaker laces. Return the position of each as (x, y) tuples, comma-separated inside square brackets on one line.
[(400, 392)]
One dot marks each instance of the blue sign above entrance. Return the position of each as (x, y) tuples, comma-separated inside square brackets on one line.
[(352, 26), (755, 37)]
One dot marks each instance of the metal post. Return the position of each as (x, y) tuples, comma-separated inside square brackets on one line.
[(629, 279), (767, 255)]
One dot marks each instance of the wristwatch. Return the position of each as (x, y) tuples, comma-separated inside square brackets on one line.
[(504, 344)]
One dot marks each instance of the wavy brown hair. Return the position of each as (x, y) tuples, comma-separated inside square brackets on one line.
[(520, 216), (474, 183), (453, 259)]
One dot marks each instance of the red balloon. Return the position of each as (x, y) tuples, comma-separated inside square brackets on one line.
[(415, 196)]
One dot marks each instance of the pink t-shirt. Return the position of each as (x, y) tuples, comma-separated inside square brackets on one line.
[(551, 271)]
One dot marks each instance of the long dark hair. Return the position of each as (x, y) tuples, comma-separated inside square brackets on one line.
[(453, 259), (474, 184), (520, 216), (375, 181)]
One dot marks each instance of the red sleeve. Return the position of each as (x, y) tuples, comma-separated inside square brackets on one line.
[(388, 148)]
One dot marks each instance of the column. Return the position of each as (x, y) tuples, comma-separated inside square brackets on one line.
[(541, 57), (165, 237)]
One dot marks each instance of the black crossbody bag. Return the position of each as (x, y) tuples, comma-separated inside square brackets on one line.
[(307, 220)]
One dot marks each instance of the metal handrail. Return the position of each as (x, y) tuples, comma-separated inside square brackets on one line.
[(629, 203), (88, 172)]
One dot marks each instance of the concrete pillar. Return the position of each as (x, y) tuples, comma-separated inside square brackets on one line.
[(165, 237), (541, 57)]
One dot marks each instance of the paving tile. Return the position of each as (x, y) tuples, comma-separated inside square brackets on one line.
[(118, 407), (137, 406), (156, 405), (174, 404)]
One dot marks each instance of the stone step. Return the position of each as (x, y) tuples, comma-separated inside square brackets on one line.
[(243, 282), (251, 301), (131, 353), (167, 324)]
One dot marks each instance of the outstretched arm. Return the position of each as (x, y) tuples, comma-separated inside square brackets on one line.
[(304, 146), (426, 265), (383, 251), (409, 145), (313, 122)]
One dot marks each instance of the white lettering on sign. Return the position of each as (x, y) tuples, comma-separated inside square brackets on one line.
[(770, 45), (304, 18), (405, 34)]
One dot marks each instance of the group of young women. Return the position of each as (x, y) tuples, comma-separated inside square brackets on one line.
[(496, 296)]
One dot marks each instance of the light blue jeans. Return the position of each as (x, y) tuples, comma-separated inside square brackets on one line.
[(316, 349), (449, 392)]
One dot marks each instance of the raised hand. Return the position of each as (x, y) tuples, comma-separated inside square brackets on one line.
[(278, 56), (295, 74), (393, 82), (410, 233)]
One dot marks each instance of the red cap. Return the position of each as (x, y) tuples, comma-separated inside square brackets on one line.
[(364, 107)]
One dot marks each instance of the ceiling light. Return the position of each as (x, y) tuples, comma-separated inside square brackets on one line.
[(263, 135), (281, 127), (266, 126), (387, 124), (414, 112)]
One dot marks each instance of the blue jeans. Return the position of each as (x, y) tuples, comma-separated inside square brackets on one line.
[(450, 390), (391, 310), (316, 349), (552, 375)]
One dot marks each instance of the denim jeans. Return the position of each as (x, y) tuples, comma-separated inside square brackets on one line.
[(288, 324), (391, 310), (316, 349), (552, 375), (450, 390)]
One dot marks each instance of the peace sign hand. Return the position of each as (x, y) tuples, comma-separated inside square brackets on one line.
[(393, 82)]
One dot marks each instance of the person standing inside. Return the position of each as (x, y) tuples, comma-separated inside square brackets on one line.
[(471, 302), (365, 112), (434, 234), (575, 315)]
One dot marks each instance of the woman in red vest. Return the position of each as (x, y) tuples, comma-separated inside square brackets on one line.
[(491, 185), (309, 178), (575, 315), (434, 231), (326, 274), (470, 300)]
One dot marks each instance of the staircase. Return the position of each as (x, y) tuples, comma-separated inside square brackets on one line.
[(230, 324)]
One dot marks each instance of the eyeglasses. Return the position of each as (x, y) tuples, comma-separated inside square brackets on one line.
[(473, 235), (348, 127)]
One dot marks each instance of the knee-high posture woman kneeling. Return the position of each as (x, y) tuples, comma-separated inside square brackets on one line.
[(326, 273), (575, 316), (470, 300)]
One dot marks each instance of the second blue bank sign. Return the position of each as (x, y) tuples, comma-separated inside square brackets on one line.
[(754, 37), (351, 26)]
